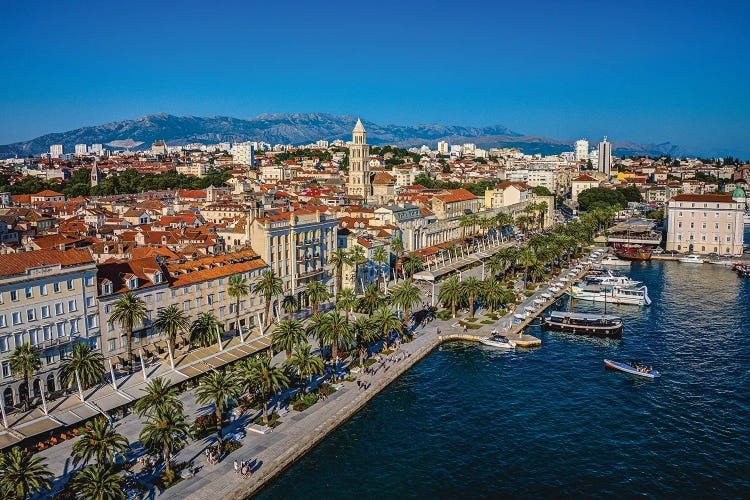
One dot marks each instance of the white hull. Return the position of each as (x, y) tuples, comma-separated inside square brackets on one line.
[(612, 296), (615, 262), (507, 344), (691, 259)]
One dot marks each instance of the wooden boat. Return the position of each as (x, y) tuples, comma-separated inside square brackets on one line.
[(585, 324), (631, 369), (634, 252)]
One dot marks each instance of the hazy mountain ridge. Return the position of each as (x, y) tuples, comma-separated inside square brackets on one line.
[(302, 128)]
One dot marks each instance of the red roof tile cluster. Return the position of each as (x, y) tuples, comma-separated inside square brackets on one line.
[(714, 198), (17, 263)]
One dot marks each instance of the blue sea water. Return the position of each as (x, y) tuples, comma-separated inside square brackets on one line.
[(473, 422)]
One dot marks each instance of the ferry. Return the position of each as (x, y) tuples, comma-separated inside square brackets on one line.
[(615, 262), (605, 325), (499, 341), (691, 259), (614, 295), (631, 368)]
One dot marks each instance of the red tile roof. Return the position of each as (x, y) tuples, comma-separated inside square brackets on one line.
[(17, 263), (585, 178), (715, 198)]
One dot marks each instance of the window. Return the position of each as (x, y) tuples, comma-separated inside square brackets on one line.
[(692, 225), (70, 284), (107, 288), (29, 292), (198, 302), (56, 287), (147, 299), (210, 299), (30, 314), (197, 287), (90, 302), (91, 321), (111, 344), (32, 337), (14, 295), (2, 320), (716, 215), (174, 293), (60, 330), (704, 225), (209, 284), (186, 305), (4, 344), (72, 307), (6, 369), (221, 297), (73, 326), (159, 296), (729, 227), (679, 224), (45, 312), (186, 290), (110, 327), (42, 290), (47, 332), (221, 311), (231, 308), (89, 281)]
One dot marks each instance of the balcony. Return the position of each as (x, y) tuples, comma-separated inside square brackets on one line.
[(55, 343)]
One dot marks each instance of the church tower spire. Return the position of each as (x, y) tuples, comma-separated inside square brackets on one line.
[(96, 175), (359, 170)]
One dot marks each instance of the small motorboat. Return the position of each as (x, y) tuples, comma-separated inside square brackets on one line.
[(691, 259), (631, 368), (499, 341), (612, 261)]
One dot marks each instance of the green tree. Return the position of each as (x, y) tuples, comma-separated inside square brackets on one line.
[(385, 321), (166, 431), (218, 388), (357, 257), (412, 263), (370, 300), (364, 335), (22, 475), (588, 199), (288, 334), (304, 363), (338, 259), (160, 395), (289, 304), (98, 482), (380, 257), (171, 321), (346, 300), (99, 441), (336, 332), (451, 294), (316, 293), (257, 375), (472, 288), (541, 191), (24, 362), (88, 363), (128, 311), (237, 289), (406, 295), (493, 294), (203, 330), (268, 285)]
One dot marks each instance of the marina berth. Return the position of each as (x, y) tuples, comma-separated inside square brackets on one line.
[(691, 259), (613, 295), (605, 325), (615, 262)]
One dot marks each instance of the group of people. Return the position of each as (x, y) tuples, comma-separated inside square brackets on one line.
[(212, 455), (640, 368), (244, 467)]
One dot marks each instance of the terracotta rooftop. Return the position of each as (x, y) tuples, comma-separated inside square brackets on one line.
[(584, 178), (18, 263), (715, 198)]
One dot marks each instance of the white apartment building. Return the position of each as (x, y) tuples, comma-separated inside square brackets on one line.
[(604, 157), (48, 300), (581, 150), (97, 149), (81, 149), (193, 169), (56, 150), (442, 147), (705, 223), (243, 153)]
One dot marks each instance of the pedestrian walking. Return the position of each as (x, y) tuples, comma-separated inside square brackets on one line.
[(236, 467)]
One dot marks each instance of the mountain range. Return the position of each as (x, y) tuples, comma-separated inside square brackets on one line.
[(302, 128)]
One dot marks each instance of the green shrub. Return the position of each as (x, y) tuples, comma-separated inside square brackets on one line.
[(273, 420), (302, 402), (444, 314), (487, 321), (471, 319)]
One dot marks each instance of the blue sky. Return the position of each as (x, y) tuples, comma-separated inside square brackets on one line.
[(642, 71)]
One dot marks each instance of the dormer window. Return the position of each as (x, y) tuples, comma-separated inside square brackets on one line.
[(157, 277), (132, 283), (107, 288)]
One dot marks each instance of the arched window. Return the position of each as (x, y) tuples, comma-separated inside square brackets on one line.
[(50, 383), (8, 396)]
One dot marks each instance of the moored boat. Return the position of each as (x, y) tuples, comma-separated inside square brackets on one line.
[(611, 261), (499, 341), (634, 252), (691, 259), (613, 295), (604, 325), (631, 368)]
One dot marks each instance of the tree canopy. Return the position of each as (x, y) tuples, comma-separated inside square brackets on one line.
[(596, 197)]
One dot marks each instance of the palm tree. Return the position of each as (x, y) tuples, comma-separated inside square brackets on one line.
[(536, 270), (397, 246), (237, 289), (24, 361), (314, 325), (451, 293), (336, 332), (526, 258), (99, 441), (217, 388), (357, 256), (203, 329), (338, 259), (384, 322), (523, 221), (371, 300), (171, 321), (380, 257), (493, 294), (364, 335), (472, 288), (258, 375), (166, 432), (128, 311), (268, 285), (159, 395), (508, 256), (467, 220), (411, 264), (346, 300), (88, 363), (288, 334), (304, 363), (406, 295), (289, 304), (98, 482), (316, 293), (22, 475)]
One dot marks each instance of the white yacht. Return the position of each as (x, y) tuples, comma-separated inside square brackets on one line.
[(610, 279), (499, 341), (612, 261), (611, 295), (691, 259)]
